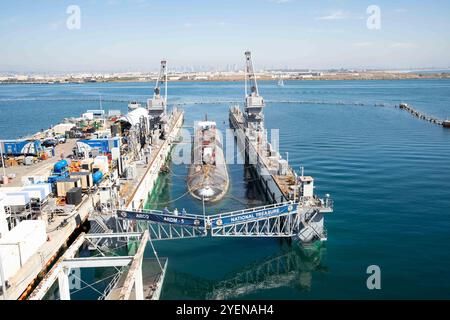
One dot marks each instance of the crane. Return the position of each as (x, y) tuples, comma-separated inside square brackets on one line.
[(254, 103), (157, 105), (250, 77)]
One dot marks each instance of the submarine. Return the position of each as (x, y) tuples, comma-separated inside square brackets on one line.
[(208, 178)]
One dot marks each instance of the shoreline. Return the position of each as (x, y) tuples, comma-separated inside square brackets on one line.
[(325, 77)]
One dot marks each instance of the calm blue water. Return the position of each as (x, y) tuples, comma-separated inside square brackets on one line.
[(388, 173)]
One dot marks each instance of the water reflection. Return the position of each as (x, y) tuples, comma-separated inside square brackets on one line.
[(293, 266)]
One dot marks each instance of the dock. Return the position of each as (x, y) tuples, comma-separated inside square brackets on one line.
[(127, 182)]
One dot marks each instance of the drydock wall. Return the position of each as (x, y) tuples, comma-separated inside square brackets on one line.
[(140, 196), (268, 183)]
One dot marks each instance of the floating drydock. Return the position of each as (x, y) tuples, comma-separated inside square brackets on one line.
[(280, 183), (208, 175), (294, 211)]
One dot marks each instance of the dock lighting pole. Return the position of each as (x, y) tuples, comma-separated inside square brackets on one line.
[(3, 159), (165, 80), (3, 282), (204, 211)]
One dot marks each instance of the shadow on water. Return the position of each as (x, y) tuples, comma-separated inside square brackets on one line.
[(293, 266)]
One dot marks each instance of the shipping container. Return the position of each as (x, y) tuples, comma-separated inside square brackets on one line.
[(87, 164), (103, 145), (86, 179), (39, 191), (19, 244), (15, 198)]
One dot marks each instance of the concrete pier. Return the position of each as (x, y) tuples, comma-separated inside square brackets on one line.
[(63, 229)]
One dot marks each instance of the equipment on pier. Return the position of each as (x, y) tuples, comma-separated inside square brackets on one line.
[(74, 196), (87, 180), (307, 186), (60, 166)]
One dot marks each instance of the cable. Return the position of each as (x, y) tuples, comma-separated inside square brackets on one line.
[(96, 282), (171, 201)]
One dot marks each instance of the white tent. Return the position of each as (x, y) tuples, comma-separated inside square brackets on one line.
[(134, 117)]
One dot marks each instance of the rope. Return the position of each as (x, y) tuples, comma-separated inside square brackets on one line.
[(96, 282), (155, 253), (171, 201), (88, 285)]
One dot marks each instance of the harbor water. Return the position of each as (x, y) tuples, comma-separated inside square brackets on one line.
[(388, 173)]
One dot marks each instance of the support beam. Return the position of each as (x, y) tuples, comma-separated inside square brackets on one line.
[(138, 284), (68, 261), (63, 282), (136, 266), (97, 262), (114, 235), (53, 274)]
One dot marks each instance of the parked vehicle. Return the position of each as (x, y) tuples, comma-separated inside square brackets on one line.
[(50, 143), (61, 139), (78, 134)]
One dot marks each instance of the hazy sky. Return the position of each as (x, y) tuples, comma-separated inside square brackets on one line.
[(119, 35)]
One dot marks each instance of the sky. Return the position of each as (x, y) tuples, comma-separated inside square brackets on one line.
[(134, 35)]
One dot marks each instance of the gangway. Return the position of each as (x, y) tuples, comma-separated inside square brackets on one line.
[(302, 220)]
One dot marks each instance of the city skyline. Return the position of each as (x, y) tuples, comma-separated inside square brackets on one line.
[(134, 35)]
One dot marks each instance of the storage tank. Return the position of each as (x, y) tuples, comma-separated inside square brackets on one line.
[(97, 177), (60, 166)]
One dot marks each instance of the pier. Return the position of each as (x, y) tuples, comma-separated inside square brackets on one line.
[(126, 181)]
